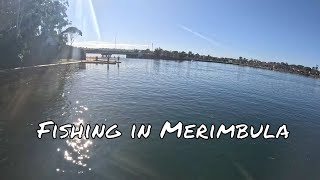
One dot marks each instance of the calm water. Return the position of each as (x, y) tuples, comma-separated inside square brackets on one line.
[(153, 91)]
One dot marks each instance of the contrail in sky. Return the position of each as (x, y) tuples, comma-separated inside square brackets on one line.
[(211, 41), (94, 18)]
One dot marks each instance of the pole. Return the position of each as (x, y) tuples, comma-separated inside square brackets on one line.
[(115, 41)]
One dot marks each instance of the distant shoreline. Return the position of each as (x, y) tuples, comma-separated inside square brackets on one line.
[(159, 53), (273, 66)]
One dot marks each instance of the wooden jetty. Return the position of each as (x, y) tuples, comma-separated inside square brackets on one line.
[(100, 61)]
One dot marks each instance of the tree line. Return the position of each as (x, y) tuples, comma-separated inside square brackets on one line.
[(159, 53), (33, 31)]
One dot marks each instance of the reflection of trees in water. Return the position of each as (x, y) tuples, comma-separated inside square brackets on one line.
[(28, 97), (156, 65), (34, 86)]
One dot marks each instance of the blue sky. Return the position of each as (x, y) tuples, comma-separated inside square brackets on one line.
[(269, 30)]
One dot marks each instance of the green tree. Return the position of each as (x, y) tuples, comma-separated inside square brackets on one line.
[(147, 51), (190, 54), (197, 56), (175, 54), (72, 33), (31, 30), (158, 52), (182, 55)]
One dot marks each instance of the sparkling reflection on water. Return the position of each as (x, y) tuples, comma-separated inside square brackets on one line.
[(77, 151), (152, 91)]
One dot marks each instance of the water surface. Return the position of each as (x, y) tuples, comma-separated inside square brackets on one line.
[(153, 91)]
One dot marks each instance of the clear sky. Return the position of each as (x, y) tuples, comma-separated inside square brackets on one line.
[(268, 30)]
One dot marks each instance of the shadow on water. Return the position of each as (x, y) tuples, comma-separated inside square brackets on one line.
[(25, 95)]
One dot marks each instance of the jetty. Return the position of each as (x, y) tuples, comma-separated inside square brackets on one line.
[(88, 60), (100, 62), (97, 60)]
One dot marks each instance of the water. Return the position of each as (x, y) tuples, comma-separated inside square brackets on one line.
[(153, 91)]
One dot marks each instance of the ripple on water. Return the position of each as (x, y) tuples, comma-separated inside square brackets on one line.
[(153, 91)]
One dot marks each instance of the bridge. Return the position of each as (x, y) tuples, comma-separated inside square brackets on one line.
[(106, 52)]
